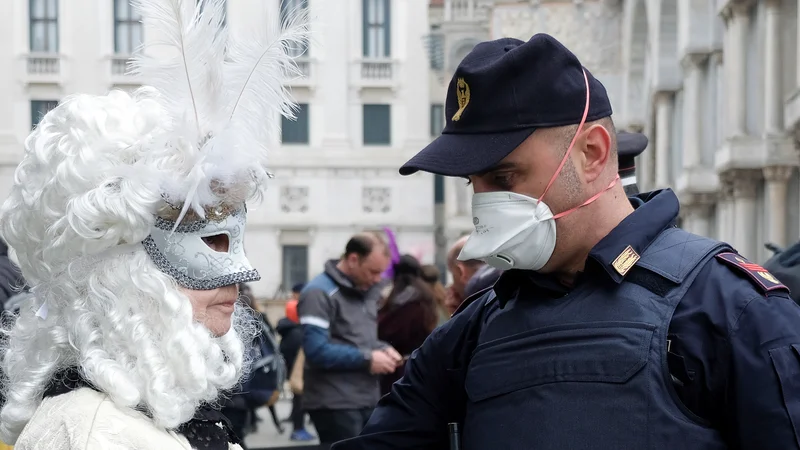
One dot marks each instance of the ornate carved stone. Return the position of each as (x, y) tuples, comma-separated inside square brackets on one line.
[(745, 183), (376, 200), (725, 186), (589, 29), (778, 173), (294, 199)]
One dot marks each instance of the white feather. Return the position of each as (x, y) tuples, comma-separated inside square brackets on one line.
[(184, 61), (257, 68), (221, 94)]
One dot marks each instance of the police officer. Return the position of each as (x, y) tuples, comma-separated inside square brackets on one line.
[(610, 328), (629, 146)]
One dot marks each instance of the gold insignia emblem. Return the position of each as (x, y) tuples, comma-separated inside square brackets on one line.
[(625, 260), (769, 277), (462, 94)]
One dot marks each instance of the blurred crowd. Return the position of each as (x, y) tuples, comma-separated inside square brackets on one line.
[(347, 333)]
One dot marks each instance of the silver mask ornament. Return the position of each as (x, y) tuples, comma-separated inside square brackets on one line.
[(184, 255)]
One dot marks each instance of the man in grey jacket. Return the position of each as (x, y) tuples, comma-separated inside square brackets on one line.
[(338, 312)]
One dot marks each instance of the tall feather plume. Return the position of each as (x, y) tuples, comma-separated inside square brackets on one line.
[(222, 92), (184, 61), (259, 64)]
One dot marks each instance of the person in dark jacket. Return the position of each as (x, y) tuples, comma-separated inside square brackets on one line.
[(785, 265), (11, 280), (408, 316), (291, 341), (344, 358)]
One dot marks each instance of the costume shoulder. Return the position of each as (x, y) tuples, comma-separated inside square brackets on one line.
[(85, 419), (62, 422)]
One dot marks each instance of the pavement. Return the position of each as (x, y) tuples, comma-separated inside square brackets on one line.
[(267, 436)]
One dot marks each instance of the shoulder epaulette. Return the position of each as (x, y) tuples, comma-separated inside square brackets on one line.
[(765, 281)]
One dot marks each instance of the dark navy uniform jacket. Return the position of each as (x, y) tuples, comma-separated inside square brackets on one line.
[(734, 351)]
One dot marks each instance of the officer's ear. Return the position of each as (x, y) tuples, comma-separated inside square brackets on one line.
[(593, 151)]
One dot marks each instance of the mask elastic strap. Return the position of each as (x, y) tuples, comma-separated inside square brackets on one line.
[(574, 138), (591, 199)]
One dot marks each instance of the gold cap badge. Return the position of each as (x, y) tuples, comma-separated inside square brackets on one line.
[(462, 94)]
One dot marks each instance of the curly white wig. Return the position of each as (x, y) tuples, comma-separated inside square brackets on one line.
[(80, 192)]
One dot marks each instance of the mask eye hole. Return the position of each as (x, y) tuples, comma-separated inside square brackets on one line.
[(217, 242)]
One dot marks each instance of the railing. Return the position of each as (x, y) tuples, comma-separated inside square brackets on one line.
[(460, 10), (377, 70), (119, 65), (43, 64), (304, 66)]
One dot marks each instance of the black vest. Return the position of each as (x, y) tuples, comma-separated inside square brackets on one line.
[(589, 371)]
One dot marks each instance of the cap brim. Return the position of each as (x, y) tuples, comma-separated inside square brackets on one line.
[(459, 155), (631, 144)]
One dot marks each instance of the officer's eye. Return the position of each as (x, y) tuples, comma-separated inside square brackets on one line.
[(217, 242), (503, 181)]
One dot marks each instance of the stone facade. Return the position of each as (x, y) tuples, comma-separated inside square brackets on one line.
[(324, 190), (715, 94)]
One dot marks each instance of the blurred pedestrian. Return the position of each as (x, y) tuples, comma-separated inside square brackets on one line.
[(409, 315), (462, 272), (338, 311), (11, 280), (432, 276), (291, 333)]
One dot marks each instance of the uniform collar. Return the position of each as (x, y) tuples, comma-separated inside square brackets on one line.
[(653, 212)]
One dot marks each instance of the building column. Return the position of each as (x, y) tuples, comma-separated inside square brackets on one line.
[(777, 179), (798, 46), (725, 212), (745, 185), (336, 134), (663, 102), (698, 218), (692, 134), (773, 103), (738, 18), (647, 161)]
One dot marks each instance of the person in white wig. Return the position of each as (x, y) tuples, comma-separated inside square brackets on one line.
[(127, 216)]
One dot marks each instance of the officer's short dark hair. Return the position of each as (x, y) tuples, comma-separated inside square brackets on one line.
[(566, 133), (363, 244)]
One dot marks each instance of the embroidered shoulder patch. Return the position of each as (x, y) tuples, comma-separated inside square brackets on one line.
[(763, 279)]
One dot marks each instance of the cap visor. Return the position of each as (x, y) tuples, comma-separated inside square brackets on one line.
[(631, 144), (459, 155)]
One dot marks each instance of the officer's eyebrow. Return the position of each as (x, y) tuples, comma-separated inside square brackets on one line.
[(504, 165)]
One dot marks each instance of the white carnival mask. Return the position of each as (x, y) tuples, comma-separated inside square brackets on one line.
[(184, 255)]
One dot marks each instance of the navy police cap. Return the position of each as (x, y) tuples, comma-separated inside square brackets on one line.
[(502, 92), (629, 146)]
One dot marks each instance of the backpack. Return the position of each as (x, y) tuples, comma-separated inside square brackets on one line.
[(267, 372)]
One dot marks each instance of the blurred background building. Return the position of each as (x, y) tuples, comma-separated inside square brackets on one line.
[(713, 83)]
